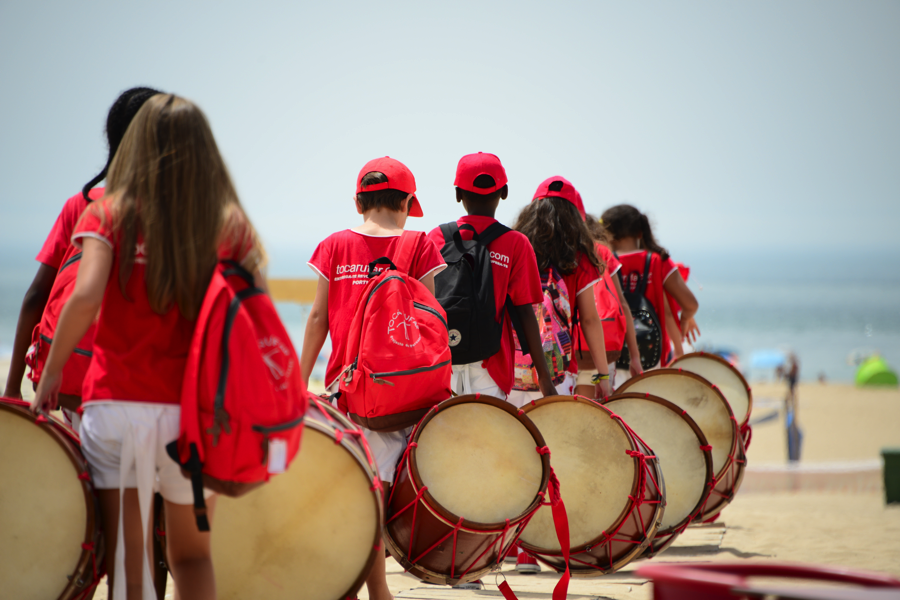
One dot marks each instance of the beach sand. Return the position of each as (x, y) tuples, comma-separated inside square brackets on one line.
[(840, 524)]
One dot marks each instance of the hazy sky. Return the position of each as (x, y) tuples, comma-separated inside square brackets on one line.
[(737, 126)]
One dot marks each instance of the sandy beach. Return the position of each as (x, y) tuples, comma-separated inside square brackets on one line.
[(829, 509)]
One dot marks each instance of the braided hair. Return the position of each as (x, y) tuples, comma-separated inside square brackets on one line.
[(624, 220), (120, 115)]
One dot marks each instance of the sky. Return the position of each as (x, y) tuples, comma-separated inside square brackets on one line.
[(760, 137)]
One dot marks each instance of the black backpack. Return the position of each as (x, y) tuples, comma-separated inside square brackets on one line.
[(647, 326), (465, 289)]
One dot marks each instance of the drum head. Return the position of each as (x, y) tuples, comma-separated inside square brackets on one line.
[(675, 440), (479, 462), (724, 376), (43, 510), (308, 533), (588, 453), (699, 399)]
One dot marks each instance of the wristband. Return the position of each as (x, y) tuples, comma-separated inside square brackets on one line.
[(599, 377)]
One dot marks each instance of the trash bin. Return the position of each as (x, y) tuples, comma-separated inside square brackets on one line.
[(891, 474)]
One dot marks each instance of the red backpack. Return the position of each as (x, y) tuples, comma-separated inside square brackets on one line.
[(397, 361), (77, 365), (243, 399)]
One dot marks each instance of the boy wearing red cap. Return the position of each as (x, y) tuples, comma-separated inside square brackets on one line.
[(480, 185), (385, 197)]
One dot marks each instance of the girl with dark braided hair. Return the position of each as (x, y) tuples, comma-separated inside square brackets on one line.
[(632, 239), (559, 236), (58, 251)]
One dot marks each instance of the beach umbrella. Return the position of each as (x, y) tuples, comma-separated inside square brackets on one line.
[(767, 359)]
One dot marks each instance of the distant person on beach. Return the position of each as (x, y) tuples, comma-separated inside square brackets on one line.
[(632, 239), (58, 251), (480, 186), (791, 375), (560, 238), (618, 324), (150, 246), (342, 260)]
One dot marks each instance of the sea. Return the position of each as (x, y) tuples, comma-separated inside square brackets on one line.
[(828, 323)]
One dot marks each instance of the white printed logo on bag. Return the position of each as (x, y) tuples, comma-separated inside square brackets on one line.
[(403, 330), (455, 337), (278, 358)]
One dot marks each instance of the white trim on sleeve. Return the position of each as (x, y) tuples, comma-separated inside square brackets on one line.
[(313, 267), (666, 276), (587, 287), (90, 234), (435, 270), (617, 269)]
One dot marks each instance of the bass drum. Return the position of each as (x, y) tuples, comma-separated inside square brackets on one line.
[(724, 376), (50, 541), (684, 457), (611, 485), (708, 408), (470, 478), (310, 533)]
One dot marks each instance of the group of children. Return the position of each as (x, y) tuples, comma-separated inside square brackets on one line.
[(148, 244)]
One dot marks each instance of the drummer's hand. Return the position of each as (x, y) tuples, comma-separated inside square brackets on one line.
[(634, 366), (603, 389), (689, 330), (46, 398), (547, 388)]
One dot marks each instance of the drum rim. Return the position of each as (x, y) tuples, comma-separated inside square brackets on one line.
[(70, 443), (707, 455), (719, 359), (636, 445), (735, 429), (436, 507)]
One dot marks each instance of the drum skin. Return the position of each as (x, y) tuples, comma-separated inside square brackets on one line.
[(310, 533), (601, 467), (708, 408), (684, 457), (50, 540), (724, 376), (468, 481)]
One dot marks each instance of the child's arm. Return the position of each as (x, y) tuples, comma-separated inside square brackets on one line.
[(428, 281), (316, 330), (29, 316), (634, 352), (592, 328), (76, 317), (679, 290), (533, 339)]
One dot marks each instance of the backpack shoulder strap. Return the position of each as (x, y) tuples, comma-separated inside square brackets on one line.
[(448, 229), (492, 232), (405, 251), (643, 288)]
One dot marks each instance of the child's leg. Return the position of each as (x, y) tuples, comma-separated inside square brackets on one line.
[(586, 370), (134, 539), (189, 554), (376, 582)]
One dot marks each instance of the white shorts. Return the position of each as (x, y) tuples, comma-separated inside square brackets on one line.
[(386, 446), (474, 379), (103, 429), (520, 398), (585, 377)]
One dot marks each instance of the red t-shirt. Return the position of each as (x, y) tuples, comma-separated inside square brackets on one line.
[(612, 315), (343, 259), (581, 280), (139, 355), (633, 270), (515, 274), (53, 252)]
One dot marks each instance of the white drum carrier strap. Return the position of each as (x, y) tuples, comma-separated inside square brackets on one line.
[(141, 434)]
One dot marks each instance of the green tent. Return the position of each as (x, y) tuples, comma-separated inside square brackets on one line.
[(875, 372)]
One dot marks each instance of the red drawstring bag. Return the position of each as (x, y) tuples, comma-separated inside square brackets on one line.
[(77, 365), (397, 362), (243, 399)]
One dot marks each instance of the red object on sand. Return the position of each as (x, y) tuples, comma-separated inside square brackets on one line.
[(691, 581)]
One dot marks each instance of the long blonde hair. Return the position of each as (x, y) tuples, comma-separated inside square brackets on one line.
[(169, 185)]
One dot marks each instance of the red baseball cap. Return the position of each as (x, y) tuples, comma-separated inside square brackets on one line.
[(567, 191), (399, 177), (473, 165)]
